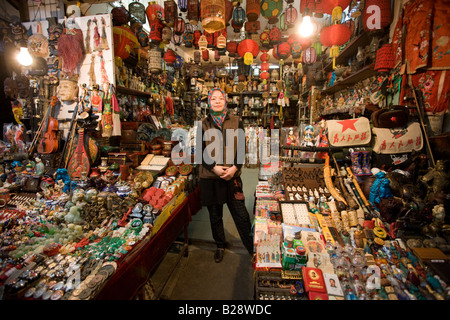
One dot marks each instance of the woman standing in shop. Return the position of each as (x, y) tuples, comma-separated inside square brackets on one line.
[(219, 174)]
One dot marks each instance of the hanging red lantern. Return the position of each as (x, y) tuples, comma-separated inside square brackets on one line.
[(124, 41), (156, 28), (209, 39), (205, 55), (248, 49), (283, 50), (290, 16), (264, 57), (170, 12), (253, 10), (197, 35), (329, 5), (216, 55), (179, 26), (335, 35), (213, 15), (376, 14), (170, 57), (193, 14), (252, 26), (264, 66), (232, 48), (306, 42), (384, 61), (275, 35), (154, 11), (264, 75)]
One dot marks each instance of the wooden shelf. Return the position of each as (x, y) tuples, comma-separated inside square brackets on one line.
[(125, 90), (358, 76)]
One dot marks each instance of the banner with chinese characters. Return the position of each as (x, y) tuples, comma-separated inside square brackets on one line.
[(349, 132), (398, 140)]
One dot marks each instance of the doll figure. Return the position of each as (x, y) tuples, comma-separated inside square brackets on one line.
[(308, 137), (323, 138), (39, 169), (292, 140)]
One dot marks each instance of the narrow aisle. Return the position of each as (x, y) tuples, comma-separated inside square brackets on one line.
[(198, 276)]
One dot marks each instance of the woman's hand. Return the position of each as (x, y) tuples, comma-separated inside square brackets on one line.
[(219, 170), (229, 173)]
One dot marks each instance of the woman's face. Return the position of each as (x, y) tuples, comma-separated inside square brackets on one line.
[(217, 101)]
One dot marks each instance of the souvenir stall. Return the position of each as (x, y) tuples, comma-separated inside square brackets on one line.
[(92, 195)]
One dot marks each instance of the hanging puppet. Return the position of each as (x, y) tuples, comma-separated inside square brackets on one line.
[(71, 48)]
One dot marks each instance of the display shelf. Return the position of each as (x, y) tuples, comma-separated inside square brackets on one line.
[(125, 90), (356, 77)]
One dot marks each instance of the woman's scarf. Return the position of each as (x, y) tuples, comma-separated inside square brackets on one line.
[(217, 116)]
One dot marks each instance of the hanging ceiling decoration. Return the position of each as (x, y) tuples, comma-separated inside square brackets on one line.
[(271, 9), (213, 15)]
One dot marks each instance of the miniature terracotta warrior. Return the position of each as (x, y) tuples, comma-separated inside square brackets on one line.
[(439, 178)]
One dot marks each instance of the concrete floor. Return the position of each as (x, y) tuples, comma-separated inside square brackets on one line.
[(198, 276)]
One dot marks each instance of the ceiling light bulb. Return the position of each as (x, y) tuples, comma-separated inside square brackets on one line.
[(24, 57), (306, 27)]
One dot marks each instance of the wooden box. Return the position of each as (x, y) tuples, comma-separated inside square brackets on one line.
[(117, 157)]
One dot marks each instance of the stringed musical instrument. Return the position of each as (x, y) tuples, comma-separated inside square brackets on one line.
[(80, 162), (49, 141)]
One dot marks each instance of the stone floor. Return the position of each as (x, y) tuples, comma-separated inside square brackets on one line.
[(197, 276)]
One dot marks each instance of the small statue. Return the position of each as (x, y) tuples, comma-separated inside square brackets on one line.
[(439, 178), (292, 140), (39, 169)]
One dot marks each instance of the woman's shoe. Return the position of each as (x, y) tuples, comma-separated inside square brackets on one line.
[(218, 255)]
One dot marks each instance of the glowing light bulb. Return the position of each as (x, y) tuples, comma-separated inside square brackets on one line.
[(306, 27), (24, 57)]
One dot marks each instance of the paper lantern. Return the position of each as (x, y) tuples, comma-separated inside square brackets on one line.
[(283, 50), (209, 39), (264, 66), (282, 22), (296, 49), (264, 76), (179, 26), (293, 38), (188, 39), (335, 35), (384, 61), (197, 35), (228, 12), (205, 54), (177, 39), (309, 56), (328, 5), (376, 14), (197, 57), (154, 11), (120, 16), (216, 55), (202, 42), (193, 14), (252, 27), (178, 62), (318, 47), (166, 35), (137, 11), (238, 18), (156, 27), (170, 12), (275, 35), (264, 38), (183, 5), (124, 41), (154, 60), (264, 57), (253, 10), (232, 48), (271, 9), (248, 49), (142, 37), (213, 15), (221, 42), (170, 56), (290, 16)]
